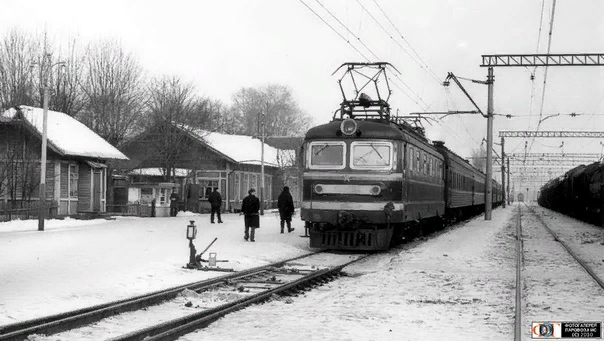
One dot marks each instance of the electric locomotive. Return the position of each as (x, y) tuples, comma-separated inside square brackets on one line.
[(370, 178)]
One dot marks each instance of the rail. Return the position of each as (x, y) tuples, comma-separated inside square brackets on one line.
[(73, 319), (584, 265), (172, 330)]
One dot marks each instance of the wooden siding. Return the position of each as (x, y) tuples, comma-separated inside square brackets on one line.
[(84, 188), (64, 180)]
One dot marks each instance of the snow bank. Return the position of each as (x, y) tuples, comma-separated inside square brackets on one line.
[(74, 264)]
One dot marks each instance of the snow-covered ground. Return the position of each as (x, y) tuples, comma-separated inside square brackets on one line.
[(456, 285), (74, 264), (556, 287)]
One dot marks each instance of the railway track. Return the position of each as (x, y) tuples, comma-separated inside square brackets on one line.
[(520, 264), (256, 285)]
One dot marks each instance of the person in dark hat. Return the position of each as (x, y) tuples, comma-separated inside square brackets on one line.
[(215, 202), (174, 203), (250, 208), (285, 203)]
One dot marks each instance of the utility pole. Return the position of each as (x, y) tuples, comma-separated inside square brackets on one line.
[(45, 70), (508, 190), (489, 82), (503, 194), (489, 185), (262, 165), (42, 195)]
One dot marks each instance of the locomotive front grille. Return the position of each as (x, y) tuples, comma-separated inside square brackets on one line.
[(347, 239)]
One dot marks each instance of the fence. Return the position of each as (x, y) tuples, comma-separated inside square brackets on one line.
[(135, 210), (21, 210)]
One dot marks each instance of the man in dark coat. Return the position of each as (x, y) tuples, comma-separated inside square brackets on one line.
[(215, 201), (250, 208), (173, 203), (285, 203)]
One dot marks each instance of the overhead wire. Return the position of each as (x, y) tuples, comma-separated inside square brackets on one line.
[(391, 37), (425, 107), (376, 57), (333, 29), (431, 73), (429, 70), (549, 45)]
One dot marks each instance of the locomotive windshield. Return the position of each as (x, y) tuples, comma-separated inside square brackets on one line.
[(327, 155), (371, 154)]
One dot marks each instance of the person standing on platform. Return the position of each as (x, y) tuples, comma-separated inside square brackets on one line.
[(250, 208), (215, 202), (285, 203), (173, 203)]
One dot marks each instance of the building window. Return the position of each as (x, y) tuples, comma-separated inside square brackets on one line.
[(237, 187), (73, 181), (208, 187), (162, 196)]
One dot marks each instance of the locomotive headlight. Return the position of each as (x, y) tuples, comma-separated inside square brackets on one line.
[(375, 190), (348, 126), (319, 189)]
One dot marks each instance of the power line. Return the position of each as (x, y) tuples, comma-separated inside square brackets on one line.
[(347, 29), (425, 107), (388, 33), (407, 52), (430, 71), (549, 45), (333, 29), (370, 51)]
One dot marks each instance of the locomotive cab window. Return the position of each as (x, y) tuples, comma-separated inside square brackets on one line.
[(326, 155), (374, 155)]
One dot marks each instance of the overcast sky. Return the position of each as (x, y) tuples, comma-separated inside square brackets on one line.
[(224, 45)]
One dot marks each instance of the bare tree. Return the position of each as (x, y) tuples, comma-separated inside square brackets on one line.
[(18, 51), (66, 94), (174, 112), (114, 91), (282, 115)]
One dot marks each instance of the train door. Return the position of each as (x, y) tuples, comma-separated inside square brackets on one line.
[(405, 171), (473, 189)]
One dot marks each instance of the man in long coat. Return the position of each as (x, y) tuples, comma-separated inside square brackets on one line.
[(174, 203), (215, 202), (285, 203), (250, 208)]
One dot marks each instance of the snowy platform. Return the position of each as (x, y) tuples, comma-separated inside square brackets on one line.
[(458, 284), (78, 263)]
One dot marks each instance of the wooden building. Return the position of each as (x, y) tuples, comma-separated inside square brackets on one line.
[(230, 163), (76, 171)]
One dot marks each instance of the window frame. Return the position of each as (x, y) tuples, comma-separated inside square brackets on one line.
[(71, 178), (372, 167), (336, 143)]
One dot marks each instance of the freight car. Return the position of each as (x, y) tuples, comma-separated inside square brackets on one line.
[(578, 193), (370, 178)]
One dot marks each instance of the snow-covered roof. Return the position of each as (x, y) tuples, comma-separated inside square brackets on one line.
[(244, 149), (66, 134), (158, 172)]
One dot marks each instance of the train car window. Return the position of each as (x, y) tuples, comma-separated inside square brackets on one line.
[(371, 155), (430, 166), (327, 155), (411, 159), (417, 167), (440, 169), (425, 164)]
